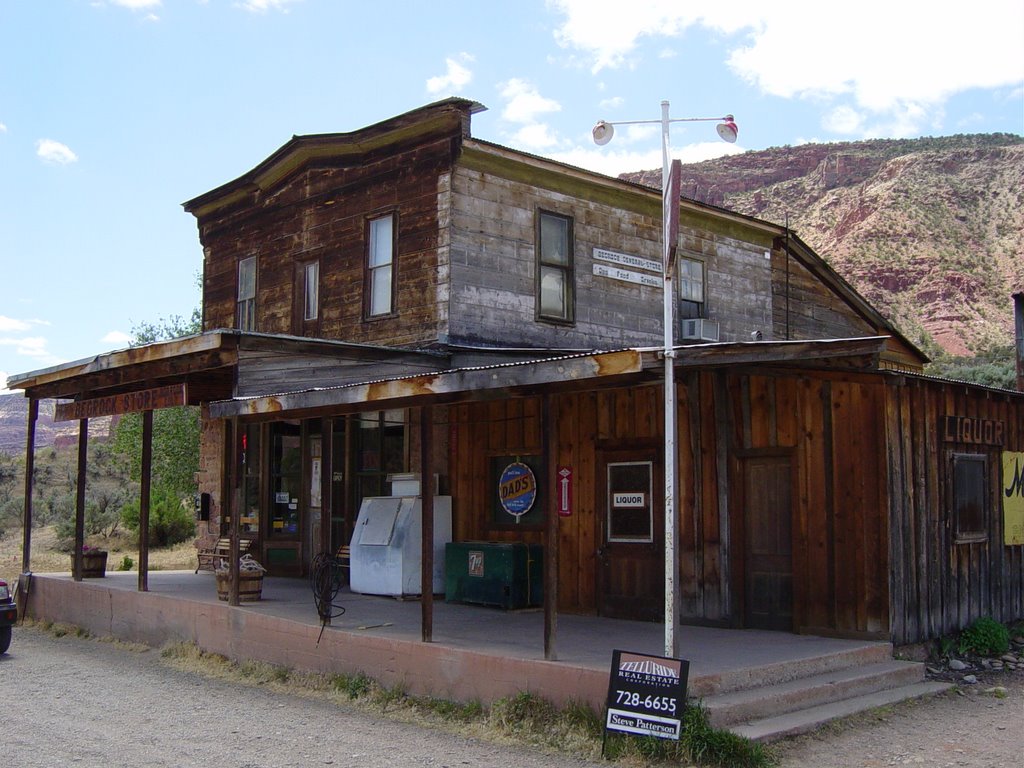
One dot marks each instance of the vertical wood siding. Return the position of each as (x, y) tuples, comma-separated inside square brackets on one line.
[(939, 586)]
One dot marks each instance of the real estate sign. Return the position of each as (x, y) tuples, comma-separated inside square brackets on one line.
[(646, 695)]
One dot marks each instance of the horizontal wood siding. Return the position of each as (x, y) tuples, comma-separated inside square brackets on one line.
[(940, 586), (321, 214)]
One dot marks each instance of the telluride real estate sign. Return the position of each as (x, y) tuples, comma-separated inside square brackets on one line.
[(646, 695)]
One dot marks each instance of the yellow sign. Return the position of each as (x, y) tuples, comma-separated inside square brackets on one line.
[(1013, 497)]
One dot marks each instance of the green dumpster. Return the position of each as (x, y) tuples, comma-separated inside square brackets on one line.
[(503, 574)]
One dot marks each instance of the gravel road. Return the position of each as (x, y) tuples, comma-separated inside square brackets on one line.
[(74, 702), (68, 701)]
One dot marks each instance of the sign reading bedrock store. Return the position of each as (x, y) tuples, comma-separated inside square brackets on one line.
[(646, 695)]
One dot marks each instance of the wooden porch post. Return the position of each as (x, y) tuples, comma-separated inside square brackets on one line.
[(233, 510), (326, 507), (145, 484), (30, 461), (427, 527), (549, 434), (83, 463)]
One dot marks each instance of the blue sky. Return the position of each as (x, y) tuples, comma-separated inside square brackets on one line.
[(114, 112)]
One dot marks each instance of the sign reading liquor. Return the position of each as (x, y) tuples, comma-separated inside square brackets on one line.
[(646, 695), (128, 402), (517, 489)]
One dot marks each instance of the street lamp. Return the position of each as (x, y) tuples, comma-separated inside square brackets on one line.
[(603, 133)]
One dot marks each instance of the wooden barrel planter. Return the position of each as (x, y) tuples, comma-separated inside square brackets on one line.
[(94, 564), (250, 585)]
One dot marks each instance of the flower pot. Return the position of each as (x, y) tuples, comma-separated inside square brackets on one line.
[(250, 585), (94, 564)]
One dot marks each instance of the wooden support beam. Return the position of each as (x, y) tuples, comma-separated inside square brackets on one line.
[(549, 435), (83, 464), (234, 509), (326, 505), (145, 485), (427, 527), (30, 461)]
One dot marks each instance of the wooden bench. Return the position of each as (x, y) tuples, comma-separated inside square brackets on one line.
[(211, 558)]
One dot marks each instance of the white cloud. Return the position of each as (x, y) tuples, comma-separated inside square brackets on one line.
[(3, 128), (897, 61), (28, 346), (536, 136), (843, 119), (614, 162), (524, 103), (262, 6), (9, 324), (54, 152), (116, 337), (137, 5), (455, 78), (613, 103)]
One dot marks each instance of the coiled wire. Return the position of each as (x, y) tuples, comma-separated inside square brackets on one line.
[(327, 576)]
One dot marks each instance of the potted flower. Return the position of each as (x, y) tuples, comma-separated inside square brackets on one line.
[(94, 562), (250, 579)]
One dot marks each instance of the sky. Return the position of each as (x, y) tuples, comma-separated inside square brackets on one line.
[(115, 112)]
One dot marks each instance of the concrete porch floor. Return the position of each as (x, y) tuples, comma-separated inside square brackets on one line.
[(477, 652)]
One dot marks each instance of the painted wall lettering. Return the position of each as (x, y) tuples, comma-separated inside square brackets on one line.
[(965, 429)]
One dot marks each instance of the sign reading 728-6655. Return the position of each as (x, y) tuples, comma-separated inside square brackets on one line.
[(646, 694)]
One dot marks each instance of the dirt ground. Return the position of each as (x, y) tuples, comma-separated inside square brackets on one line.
[(978, 725)]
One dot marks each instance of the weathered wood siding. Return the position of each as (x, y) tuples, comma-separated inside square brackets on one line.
[(585, 422), (493, 274), (321, 213), (939, 586), (830, 426)]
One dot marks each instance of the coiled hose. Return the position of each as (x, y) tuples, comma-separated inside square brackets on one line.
[(327, 576)]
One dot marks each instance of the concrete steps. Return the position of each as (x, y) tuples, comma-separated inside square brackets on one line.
[(810, 693)]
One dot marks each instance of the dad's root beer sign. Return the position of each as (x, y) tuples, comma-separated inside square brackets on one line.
[(646, 695)]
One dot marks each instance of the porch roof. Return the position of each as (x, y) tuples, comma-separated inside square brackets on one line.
[(559, 373)]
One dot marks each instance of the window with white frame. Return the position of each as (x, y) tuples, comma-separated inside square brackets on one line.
[(691, 288), (554, 267), (247, 294), (380, 266)]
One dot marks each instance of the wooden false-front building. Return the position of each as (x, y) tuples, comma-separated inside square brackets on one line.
[(356, 282)]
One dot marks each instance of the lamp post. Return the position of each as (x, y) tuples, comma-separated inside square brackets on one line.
[(603, 133)]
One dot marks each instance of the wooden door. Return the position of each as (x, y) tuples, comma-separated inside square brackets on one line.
[(768, 540), (631, 568)]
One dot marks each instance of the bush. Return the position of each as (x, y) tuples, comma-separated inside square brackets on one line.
[(170, 521), (985, 637)]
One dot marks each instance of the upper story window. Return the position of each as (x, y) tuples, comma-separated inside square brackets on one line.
[(380, 266), (311, 290), (554, 267), (691, 288), (247, 294)]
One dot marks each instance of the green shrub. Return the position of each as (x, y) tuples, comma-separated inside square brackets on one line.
[(126, 564), (985, 637), (170, 521)]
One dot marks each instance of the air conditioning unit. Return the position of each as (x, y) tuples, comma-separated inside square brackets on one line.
[(700, 329)]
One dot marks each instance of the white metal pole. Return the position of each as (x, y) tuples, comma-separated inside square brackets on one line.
[(671, 643)]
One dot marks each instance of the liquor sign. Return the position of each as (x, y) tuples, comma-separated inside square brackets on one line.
[(128, 402), (646, 695), (1013, 498)]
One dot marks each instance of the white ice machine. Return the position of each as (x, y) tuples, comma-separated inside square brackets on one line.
[(386, 555)]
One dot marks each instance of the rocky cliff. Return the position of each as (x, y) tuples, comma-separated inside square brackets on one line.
[(931, 231)]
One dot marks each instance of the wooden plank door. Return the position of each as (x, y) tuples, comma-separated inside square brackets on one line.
[(630, 563), (768, 566)]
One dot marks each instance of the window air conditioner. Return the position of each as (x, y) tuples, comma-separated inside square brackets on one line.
[(700, 329)]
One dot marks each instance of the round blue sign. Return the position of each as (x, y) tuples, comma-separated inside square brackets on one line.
[(517, 489)]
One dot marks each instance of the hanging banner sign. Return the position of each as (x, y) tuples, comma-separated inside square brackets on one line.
[(517, 489), (1013, 498), (128, 402), (646, 695)]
